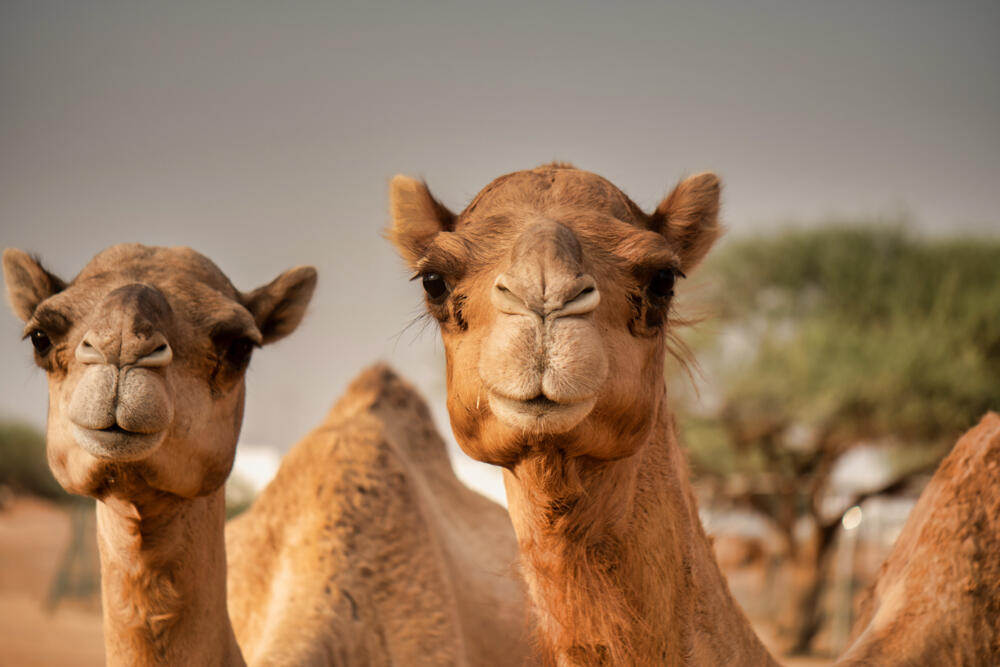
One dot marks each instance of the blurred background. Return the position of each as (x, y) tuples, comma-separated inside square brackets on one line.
[(848, 325)]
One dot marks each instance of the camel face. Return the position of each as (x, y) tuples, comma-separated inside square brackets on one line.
[(145, 352), (553, 291), (543, 362)]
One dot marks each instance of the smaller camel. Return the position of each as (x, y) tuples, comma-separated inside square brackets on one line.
[(364, 550), (146, 352), (936, 600)]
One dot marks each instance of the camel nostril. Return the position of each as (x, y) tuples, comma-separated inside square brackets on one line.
[(160, 356), (508, 301), (584, 301), (89, 354)]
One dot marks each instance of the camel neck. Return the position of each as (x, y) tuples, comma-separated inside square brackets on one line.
[(617, 563), (163, 581)]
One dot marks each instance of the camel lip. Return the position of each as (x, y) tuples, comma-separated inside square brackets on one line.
[(542, 402), (540, 413), (115, 443)]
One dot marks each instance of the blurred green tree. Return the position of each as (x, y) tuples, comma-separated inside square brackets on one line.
[(23, 467), (827, 339)]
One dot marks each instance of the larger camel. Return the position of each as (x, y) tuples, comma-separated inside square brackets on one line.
[(364, 550), (553, 291)]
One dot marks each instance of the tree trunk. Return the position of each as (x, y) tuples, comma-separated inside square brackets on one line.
[(810, 617)]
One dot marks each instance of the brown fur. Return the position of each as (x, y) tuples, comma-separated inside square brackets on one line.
[(364, 550), (936, 600), (145, 352), (153, 605), (369, 551), (617, 563)]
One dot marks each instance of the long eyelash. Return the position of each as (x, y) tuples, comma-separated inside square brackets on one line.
[(422, 317), (674, 345), (678, 349)]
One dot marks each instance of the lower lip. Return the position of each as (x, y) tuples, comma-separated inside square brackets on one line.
[(117, 444), (546, 416)]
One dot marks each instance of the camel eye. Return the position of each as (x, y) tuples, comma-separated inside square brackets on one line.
[(41, 342), (662, 284), (239, 351), (435, 286)]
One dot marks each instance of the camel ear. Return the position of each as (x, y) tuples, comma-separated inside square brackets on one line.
[(689, 218), (416, 218), (28, 284), (278, 307)]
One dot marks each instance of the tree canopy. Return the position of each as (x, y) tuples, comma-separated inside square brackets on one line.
[(852, 333), (22, 461), (821, 340)]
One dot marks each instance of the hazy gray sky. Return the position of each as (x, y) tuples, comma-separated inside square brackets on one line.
[(263, 135)]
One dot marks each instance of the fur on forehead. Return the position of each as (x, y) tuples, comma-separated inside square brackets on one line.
[(162, 267), (677, 234), (554, 185), (189, 282), (602, 235), (213, 310), (185, 277)]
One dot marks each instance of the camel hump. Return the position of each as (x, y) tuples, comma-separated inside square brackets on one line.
[(556, 164), (976, 452), (989, 424), (937, 592), (966, 478), (987, 431), (379, 391), (379, 381)]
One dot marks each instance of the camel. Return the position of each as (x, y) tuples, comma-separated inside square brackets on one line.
[(145, 352), (414, 567), (936, 600), (364, 550), (553, 292)]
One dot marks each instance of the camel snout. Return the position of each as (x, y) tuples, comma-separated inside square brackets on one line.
[(120, 351), (574, 296)]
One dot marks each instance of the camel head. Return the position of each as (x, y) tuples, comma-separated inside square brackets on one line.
[(145, 352), (553, 293)]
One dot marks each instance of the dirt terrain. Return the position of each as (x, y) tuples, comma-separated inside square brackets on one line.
[(34, 538)]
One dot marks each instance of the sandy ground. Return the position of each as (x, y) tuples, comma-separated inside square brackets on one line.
[(34, 536), (770, 640)]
